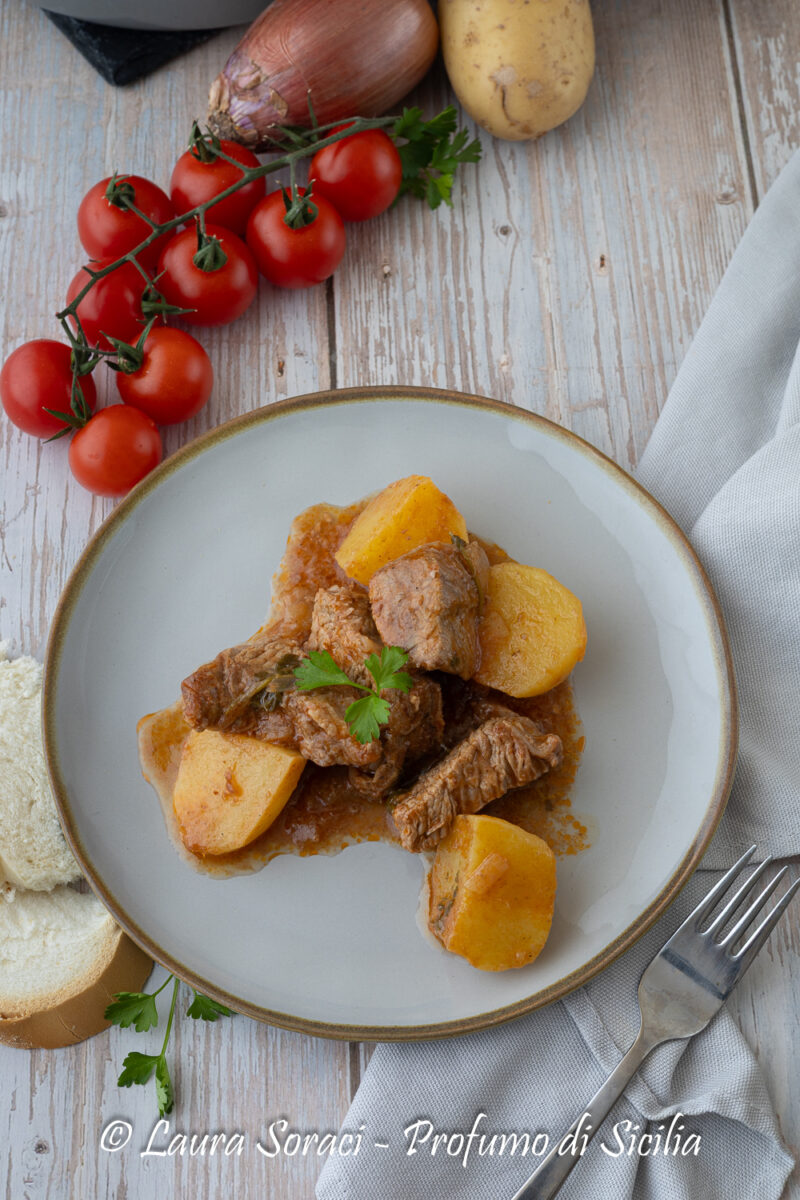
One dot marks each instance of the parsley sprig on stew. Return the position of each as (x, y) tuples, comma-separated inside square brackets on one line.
[(364, 716)]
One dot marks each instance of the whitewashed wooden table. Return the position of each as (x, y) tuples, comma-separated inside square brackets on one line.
[(569, 278)]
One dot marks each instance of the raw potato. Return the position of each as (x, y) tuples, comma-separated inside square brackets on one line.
[(492, 891), (519, 67), (230, 788), (408, 513), (531, 631)]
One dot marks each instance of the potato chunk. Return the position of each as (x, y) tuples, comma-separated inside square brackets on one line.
[(230, 788), (492, 890), (408, 513), (531, 632)]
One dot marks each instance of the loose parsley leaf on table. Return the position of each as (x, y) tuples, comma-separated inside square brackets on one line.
[(431, 154), (203, 1008), (133, 1008), (164, 1093), (137, 1068), (364, 716), (139, 1009)]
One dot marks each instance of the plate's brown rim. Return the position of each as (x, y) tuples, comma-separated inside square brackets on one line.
[(561, 987)]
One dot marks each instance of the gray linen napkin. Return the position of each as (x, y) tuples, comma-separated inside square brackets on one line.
[(725, 460)]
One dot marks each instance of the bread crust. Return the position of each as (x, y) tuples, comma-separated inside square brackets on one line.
[(75, 1015)]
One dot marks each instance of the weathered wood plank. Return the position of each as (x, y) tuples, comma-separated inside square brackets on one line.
[(766, 46), (573, 271), (235, 1076)]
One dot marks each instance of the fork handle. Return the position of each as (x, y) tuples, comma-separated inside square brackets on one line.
[(554, 1169)]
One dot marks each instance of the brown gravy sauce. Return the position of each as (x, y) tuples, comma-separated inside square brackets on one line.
[(324, 813)]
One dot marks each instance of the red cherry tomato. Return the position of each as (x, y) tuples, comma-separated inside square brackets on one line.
[(113, 305), (360, 175), (117, 448), (38, 376), (194, 182), (295, 258), (107, 231), (175, 378), (217, 297)]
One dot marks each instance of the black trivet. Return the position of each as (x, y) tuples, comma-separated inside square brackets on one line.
[(125, 55)]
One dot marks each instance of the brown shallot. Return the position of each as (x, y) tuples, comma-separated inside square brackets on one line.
[(329, 58)]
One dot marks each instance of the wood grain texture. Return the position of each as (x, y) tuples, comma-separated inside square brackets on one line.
[(569, 278), (765, 42), (573, 272)]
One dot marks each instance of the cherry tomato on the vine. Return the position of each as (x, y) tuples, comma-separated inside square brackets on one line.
[(109, 231), (194, 182), (38, 376), (113, 306), (299, 257), (115, 449), (175, 378), (360, 175), (217, 296)]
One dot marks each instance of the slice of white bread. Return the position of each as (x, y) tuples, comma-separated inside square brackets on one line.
[(33, 852), (62, 958)]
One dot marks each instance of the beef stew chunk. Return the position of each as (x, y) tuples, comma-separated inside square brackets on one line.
[(415, 729), (504, 752), (320, 732), (342, 624), (219, 695), (428, 601), (226, 694)]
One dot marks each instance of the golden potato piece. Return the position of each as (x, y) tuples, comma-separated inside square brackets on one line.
[(230, 788), (408, 513), (531, 631), (492, 890)]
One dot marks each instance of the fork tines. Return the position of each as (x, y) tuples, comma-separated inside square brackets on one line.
[(737, 932)]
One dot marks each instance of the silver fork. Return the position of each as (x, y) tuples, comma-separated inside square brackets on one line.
[(679, 992)]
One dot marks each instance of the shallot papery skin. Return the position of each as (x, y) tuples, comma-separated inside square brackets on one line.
[(337, 58)]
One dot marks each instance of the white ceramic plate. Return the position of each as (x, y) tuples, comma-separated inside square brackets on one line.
[(330, 945)]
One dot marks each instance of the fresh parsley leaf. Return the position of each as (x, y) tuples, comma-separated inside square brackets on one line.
[(411, 125), (203, 1008), (164, 1093), (139, 1009), (408, 124), (133, 1008), (365, 717), (431, 154), (319, 670), (386, 669), (137, 1068)]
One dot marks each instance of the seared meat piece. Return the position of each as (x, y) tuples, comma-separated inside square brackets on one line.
[(428, 602), (415, 728), (222, 695), (218, 695), (320, 731), (342, 624), (504, 752)]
